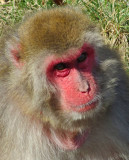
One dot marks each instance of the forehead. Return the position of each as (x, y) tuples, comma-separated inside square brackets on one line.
[(56, 29)]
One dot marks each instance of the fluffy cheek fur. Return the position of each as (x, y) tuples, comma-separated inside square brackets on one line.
[(49, 107)]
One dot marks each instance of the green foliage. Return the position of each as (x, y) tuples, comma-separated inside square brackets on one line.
[(113, 17)]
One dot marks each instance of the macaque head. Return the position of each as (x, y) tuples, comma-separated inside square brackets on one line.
[(56, 56)]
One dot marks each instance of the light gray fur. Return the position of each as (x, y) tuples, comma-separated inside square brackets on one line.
[(22, 138)]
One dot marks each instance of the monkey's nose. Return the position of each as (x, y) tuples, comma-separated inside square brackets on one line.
[(84, 86)]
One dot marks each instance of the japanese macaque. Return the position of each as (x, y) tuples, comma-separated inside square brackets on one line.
[(63, 93)]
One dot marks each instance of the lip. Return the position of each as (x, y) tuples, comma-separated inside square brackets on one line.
[(87, 106)]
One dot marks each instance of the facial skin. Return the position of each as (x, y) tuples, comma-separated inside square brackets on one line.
[(74, 80)]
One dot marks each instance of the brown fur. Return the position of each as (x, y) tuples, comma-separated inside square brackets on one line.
[(53, 37), (26, 93)]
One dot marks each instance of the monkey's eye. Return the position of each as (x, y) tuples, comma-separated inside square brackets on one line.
[(60, 66), (82, 57)]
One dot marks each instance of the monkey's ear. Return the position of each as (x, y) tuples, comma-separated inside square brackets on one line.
[(13, 50)]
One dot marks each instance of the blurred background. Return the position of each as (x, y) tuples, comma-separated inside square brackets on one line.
[(112, 16)]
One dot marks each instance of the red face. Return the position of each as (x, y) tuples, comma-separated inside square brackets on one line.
[(75, 82)]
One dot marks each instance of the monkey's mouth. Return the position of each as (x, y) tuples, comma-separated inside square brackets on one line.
[(87, 106)]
